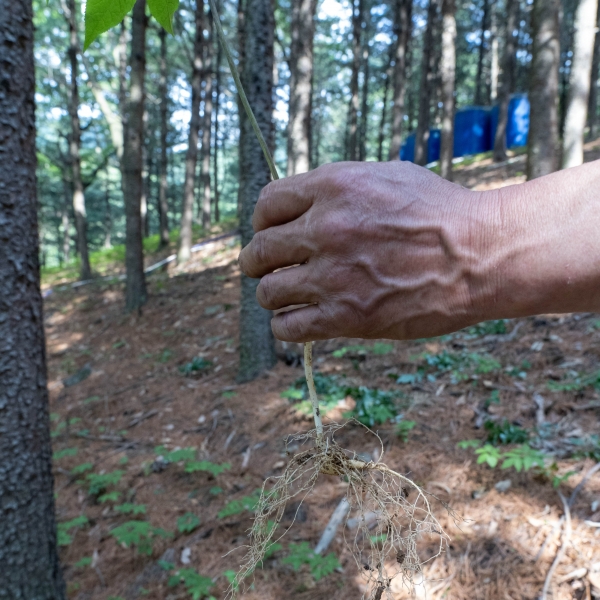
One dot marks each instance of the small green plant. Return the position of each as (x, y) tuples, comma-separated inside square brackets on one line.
[(320, 566), (197, 586), (206, 466), (520, 458), (240, 505), (86, 561), (128, 508), (488, 454), (63, 530), (373, 406), (465, 444), (113, 496), (575, 382), (329, 388), (165, 356), (461, 365), (494, 398), (403, 428), (67, 452), (197, 365), (378, 349), (505, 433), (520, 371), (187, 523), (99, 483), (488, 328), (140, 534), (82, 468)]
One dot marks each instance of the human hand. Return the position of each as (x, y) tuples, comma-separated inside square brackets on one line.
[(383, 250)]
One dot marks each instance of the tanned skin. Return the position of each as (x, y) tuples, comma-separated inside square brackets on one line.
[(391, 250)]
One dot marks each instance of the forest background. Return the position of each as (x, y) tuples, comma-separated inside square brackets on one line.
[(142, 151)]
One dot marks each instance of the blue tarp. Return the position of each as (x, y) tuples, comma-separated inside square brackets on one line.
[(475, 129)]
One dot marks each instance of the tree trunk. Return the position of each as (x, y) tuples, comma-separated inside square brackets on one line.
[(207, 129), (479, 83), (542, 155), (107, 215), (135, 286), (64, 217), (579, 86), (241, 31), (402, 30), (364, 107), (257, 348), (28, 553), (386, 92), (216, 136), (301, 79), (191, 159), (427, 73), (163, 202), (494, 59), (357, 18), (593, 104), (85, 271), (508, 78), (146, 157), (448, 76)]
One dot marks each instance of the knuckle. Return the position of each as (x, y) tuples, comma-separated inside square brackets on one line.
[(265, 293), (260, 249), (264, 207), (290, 327)]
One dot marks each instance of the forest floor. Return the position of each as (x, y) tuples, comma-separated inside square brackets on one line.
[(127, 392)]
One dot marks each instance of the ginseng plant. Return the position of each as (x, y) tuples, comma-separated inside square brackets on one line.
[(391, 510)]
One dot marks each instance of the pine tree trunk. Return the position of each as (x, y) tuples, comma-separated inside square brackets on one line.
[(207, 129), (386, 93), (448, 77), (479, 82), (216, 136), (402, 31), (257, 348), (241, 37), (29, 563), (494, 59), (85, 271), (107, 215), (364, 106), (593, 104), (579, 85), (135, 286), (191, 158), (163, 201), (542, 155), (425, 92), (357, 19), (64, 217), (301, 80), (508, 78)]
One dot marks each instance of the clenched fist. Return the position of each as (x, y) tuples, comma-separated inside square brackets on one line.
[(390, 250)]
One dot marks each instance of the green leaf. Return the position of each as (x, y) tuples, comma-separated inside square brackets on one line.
[(187, 523), (163, 11), (101, 15)]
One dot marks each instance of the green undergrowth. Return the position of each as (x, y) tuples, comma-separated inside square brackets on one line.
[(106, 260)]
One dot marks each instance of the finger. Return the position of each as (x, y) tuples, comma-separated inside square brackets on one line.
[(273, 249), (306, 324), (283, 201), (286, 288)]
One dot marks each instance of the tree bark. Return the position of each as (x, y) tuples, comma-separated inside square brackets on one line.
[(163, 201), (508, 78), (402, 30), (448, 77), (191, 159), (593, 104), (85, 272), (64, 217), (542, 155), (301, 80), (364, 106), (579, 86), (494, 59), (107, 215), (257, 348), (207, 128), (479, 83), (357, 18), (28, 552), (216, 136), (132, 164), (427, 74), (241, 31), (386, 92)]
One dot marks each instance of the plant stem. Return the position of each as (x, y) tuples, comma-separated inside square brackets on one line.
[(310, 382)]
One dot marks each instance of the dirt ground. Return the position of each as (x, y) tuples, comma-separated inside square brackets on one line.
[(125, 395)]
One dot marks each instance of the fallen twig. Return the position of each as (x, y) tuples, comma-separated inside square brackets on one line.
[(566, 538), (337, 518)]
